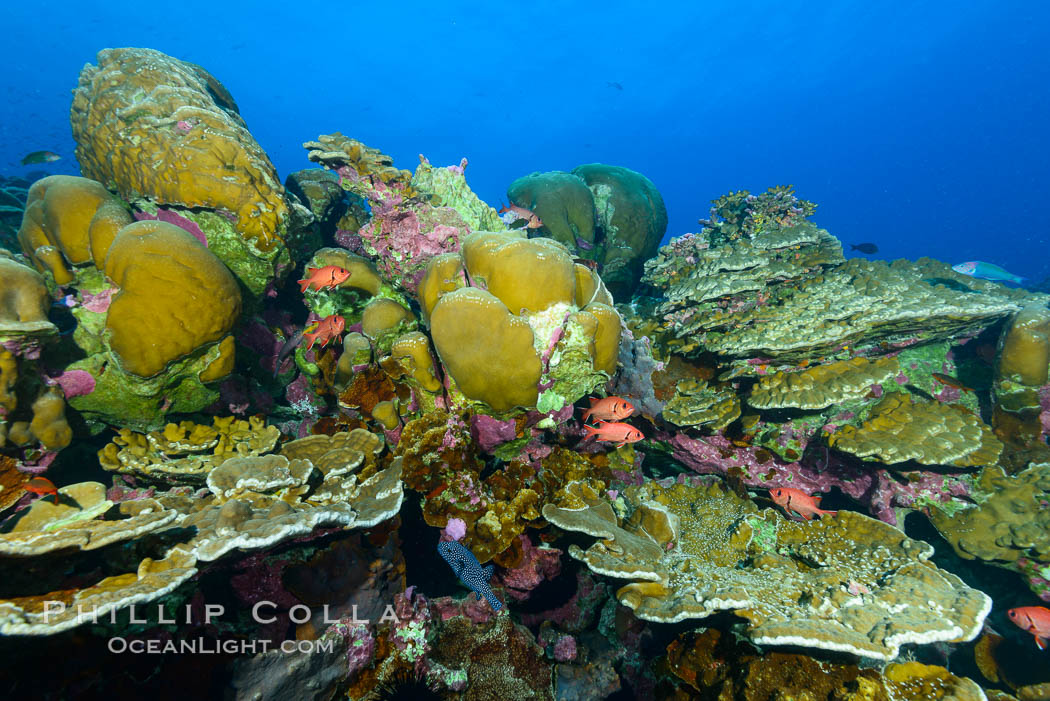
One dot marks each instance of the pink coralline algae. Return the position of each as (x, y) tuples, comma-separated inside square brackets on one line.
[(118, 493), (76, 383), (25, 348), (873, 487), (446, 607), (537, 565), (172, 217), (360, 645), (579, 612), (402, 241), (100, 302), (565, 649), (458, 170), (948, 395), (489, 433)]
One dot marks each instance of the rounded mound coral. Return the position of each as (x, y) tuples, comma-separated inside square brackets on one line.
[(175, 296), (505, 315), (608, 214), (23, 301), (152, 126), (502, 369), (562, 201), (69, 221)]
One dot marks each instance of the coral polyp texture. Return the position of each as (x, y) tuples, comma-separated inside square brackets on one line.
[(822, 386), (901, 428), (149, 125), (253, 501), (695, 550), (768, 284), (514, 319), (1009, 525), (165, 276)]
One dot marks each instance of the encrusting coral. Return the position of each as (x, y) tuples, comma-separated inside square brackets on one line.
[(186, 452), (764, 283), (901, 428), (1009, 522), (714, 663), (414, 217), (847, 583), (253, 502), (696, 403), (821, 386), (450, 361)]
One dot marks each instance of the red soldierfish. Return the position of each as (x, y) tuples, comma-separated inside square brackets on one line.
[(949, 381), (327, 329), (42, 486), (1035, 620), (323, 278), (609, 409), (624, 433), (531, 220), (798, 501)]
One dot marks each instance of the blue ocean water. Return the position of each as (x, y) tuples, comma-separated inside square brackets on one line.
[(918, 126)]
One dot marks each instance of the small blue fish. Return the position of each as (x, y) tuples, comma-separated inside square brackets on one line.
[(986, 271), (469, 571)]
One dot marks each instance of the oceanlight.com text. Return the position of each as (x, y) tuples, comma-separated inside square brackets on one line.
[(214, 647)]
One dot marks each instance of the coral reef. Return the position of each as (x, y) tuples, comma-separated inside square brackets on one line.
[(153, 127), (785, 294), (714, 666), (508, 325), (901, 428), (184, 426), (413, 217), (1008, 524), (608, 214), (791, 581)]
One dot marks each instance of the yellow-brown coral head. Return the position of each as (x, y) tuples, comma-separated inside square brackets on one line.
[(149, 125), (504, 370), (24, 300), (1025, 349), (69, 221), (529, 274), (175, 296)]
